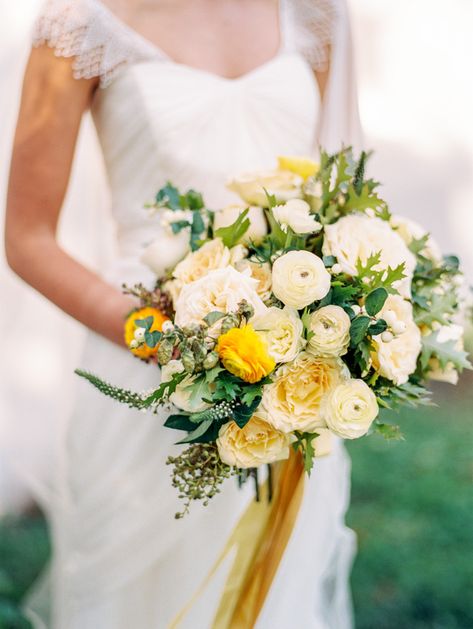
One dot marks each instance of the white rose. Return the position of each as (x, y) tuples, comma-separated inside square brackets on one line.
[(283, 184), (357, 237), (258, 226), (165, 252), (260, 271), (181, 397), (222, 290), (300, 278), (212, 255), (296, 214), (350, 409), (256, 444), (449, 374), (292, 401), (282, 331), (397, 358), (330, 331), (409, 230)]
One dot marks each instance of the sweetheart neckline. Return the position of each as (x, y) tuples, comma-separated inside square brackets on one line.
[(159, 52)]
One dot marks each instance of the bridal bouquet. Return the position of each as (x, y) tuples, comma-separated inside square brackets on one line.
[(292, 317)]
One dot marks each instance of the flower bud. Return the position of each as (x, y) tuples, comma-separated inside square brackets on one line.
[(168, 326), (211, 360), (387, 336), (165, 351), (188, 360), (134, 344), (139, 334), (398, 327), (336, 268)]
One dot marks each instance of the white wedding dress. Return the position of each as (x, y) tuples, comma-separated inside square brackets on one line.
[(120, 558)]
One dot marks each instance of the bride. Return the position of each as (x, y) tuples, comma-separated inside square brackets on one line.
[(191, 92)]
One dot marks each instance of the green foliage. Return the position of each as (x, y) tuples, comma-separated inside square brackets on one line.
[(389, 432), (305, 442), (233, 233), (358, 329), (375, 301), (446, 353), (372, 278), (436, 308)]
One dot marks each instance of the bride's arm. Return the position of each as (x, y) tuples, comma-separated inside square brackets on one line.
[(51, 110)]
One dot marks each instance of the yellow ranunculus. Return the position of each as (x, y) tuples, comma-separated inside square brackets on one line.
[(130, 326), (243, 353), (302, 166)]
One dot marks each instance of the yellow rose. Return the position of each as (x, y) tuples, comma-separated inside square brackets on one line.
[(258, 226), (350, 409), (143, 351), (250, 187), (258, 443), (283, 332), (243, 353), (302, 166), (292, 401), (330, 328), (300, 278)]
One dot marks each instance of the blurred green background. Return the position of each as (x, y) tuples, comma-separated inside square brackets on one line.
[(412, 509)]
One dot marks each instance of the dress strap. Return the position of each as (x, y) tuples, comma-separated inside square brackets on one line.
[(88, 31), (308, 27)]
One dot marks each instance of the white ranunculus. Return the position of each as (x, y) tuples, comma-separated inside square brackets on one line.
[(357, 237), (330, 331), (258, 226), (300, 278), (166, 251), (292, 401), (350, 409), (296, 214), (258, 443), (250, 187), (181, 397), (409, 230), (446, 333), (282, 330), (222, 290), (396, 359), (260, 271)]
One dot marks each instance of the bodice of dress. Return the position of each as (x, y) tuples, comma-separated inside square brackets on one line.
[(158, 120)]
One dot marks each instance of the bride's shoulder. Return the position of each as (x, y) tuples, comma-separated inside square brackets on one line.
[(93, 34)]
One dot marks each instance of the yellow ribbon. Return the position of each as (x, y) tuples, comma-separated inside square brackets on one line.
[(260, 537)]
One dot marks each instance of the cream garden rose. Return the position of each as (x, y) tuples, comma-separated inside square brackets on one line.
[(358, 236), (222, 290), (213, 255), (409, 230), (250, 187), (296, 214), (300, 278), (329, 329), (258, 226), (258, 443), (260, 271), (396, 360), (282, 330), (349, 409), (292, 401)]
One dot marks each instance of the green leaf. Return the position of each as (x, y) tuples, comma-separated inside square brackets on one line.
[(231, 234), (212, 374), (418, 244), (213, 317), (446, 353), (145, 323), (436, 308), (242, 413), (197, 433), (194, 200), (358, 329), (277, 235), (251, 393), (378, 327), (375, 301), (179, 422), (178, 226), (199, 389), (329, 261), (389, 431), (152, 338), (169, 196), (305, 442)]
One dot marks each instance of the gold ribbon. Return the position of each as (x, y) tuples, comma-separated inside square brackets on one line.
[(260, 537)]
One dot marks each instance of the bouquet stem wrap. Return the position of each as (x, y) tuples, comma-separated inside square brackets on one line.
[(260, 538)]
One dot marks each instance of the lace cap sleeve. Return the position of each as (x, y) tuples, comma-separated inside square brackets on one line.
[(86, 30), (312, 28)]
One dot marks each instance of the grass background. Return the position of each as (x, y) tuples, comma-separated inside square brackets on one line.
[(412, 509)]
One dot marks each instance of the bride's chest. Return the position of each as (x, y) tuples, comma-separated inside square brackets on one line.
[(173, 103)]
